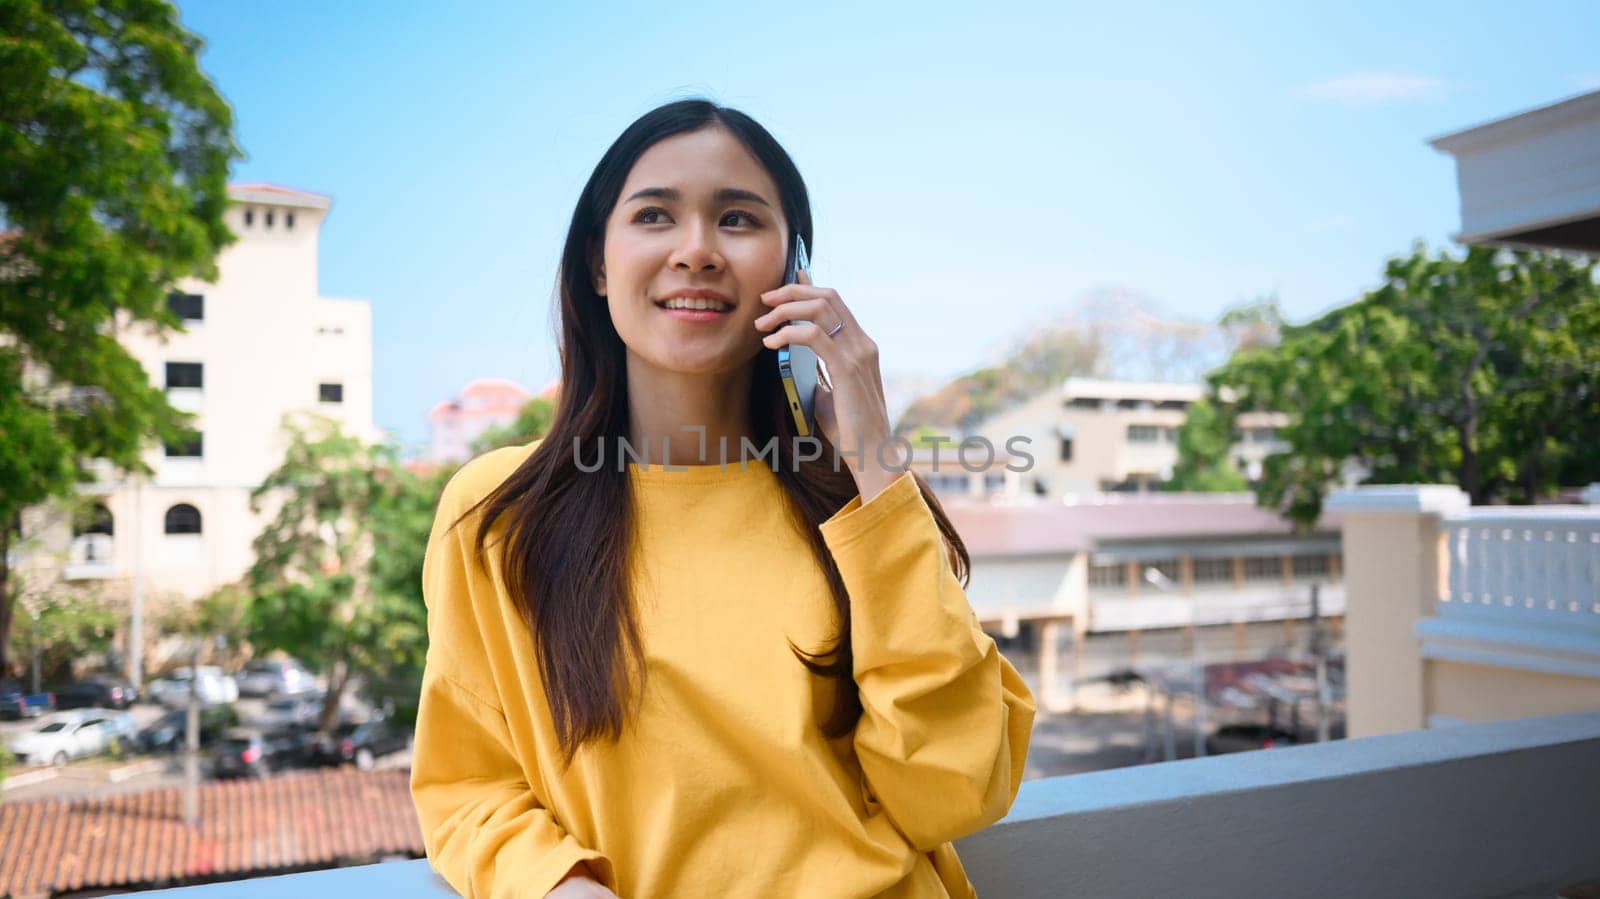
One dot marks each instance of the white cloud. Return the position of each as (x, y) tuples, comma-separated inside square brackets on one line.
[(1366, 88)]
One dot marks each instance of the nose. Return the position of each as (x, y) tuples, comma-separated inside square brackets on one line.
[(698, 251)]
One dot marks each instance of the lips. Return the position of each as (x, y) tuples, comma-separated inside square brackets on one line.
[(721, 304)]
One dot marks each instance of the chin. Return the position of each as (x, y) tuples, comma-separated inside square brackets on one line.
[(701, 363)]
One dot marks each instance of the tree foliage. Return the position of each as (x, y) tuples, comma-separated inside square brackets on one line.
[(1204, 463), (1481, 371), (63, 626), (533, 421), (114, 154), (333, 579)]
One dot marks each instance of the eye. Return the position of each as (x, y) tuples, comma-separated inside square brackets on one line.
[(642, 215), (754, 222)]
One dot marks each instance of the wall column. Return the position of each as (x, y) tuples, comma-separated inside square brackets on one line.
[(1393, 573)]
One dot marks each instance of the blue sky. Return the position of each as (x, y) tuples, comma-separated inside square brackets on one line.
[(970, 172)]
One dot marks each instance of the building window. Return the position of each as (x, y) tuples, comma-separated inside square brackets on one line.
[(191, 307), (185, 374), (1172, 435), (288, 220), (1263, 568), (1143, 434), (1066, 449), (1108, 577), (1210, 571), (269, 218), (94, 520), (994, 481), (183, 519), (186, 449), (1166, 568), (249, 218), (1263, 435), (330, 393), (1085, 402), (1311, 566)]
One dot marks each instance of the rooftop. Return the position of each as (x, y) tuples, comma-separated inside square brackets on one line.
[(247, 829)]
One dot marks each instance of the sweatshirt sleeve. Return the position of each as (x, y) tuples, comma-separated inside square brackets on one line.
[(943, 736), (485, 828)]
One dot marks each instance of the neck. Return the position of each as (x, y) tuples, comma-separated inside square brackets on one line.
[(667, 411)]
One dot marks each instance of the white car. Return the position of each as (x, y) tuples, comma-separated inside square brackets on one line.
[(215, 688), (271, 678), (72, 735)]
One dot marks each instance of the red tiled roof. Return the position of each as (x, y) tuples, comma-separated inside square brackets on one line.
[(247, 828)]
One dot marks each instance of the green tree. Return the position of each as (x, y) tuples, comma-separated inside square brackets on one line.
[(1481, 371), (114, 153), (1204, 462), (533, 421), (326, 588), (224, 612), (64, 625)]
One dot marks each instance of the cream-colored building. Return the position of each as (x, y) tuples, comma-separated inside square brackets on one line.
[(1091, 436), (258, 344)]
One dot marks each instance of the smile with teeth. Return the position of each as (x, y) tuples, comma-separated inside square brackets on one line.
[(695, 304)]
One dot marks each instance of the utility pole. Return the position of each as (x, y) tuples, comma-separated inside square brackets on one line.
[(136, 626), (191, 756), (1320, 661)]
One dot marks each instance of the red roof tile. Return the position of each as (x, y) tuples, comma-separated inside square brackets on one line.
[(247, 828)]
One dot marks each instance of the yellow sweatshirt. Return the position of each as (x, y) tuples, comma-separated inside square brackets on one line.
[(723, 785)]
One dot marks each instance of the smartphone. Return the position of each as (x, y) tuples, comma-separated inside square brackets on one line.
[(797, 363)]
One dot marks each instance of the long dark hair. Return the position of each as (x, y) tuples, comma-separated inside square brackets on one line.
[(567, 538)]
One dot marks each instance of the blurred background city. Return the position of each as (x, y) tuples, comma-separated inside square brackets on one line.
[(1296, 312)]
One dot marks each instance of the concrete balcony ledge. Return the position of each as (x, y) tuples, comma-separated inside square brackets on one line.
[(1491, 810)]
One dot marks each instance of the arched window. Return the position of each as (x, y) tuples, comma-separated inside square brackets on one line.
[(94, 520), (183, 519)]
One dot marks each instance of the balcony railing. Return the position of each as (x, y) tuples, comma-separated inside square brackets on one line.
[(90, 557), (1490, 810), (1522, 590)]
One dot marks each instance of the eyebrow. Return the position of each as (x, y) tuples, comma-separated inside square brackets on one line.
[(724, 195)]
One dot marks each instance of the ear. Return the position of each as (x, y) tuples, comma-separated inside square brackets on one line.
[(597, 268)]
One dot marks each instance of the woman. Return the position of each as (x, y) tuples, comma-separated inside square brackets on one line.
[(680, 675)]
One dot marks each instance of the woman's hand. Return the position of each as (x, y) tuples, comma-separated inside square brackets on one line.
[(851, 411), (578, 884)]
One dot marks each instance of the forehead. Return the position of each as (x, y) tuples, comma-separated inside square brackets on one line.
[(698, 163)]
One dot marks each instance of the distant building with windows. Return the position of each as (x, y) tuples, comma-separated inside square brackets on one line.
[(484, 403), (258, 344), (1092, 436)]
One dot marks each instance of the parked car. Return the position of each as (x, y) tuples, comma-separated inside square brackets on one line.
[(17, 702), (359, 744), (301, 711), (256, 752), (264, 677), (170, 731), (1245, 737), (72, 735), (214, 687), (106, 691)]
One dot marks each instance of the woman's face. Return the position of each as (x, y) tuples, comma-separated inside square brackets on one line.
[(697, 213)]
